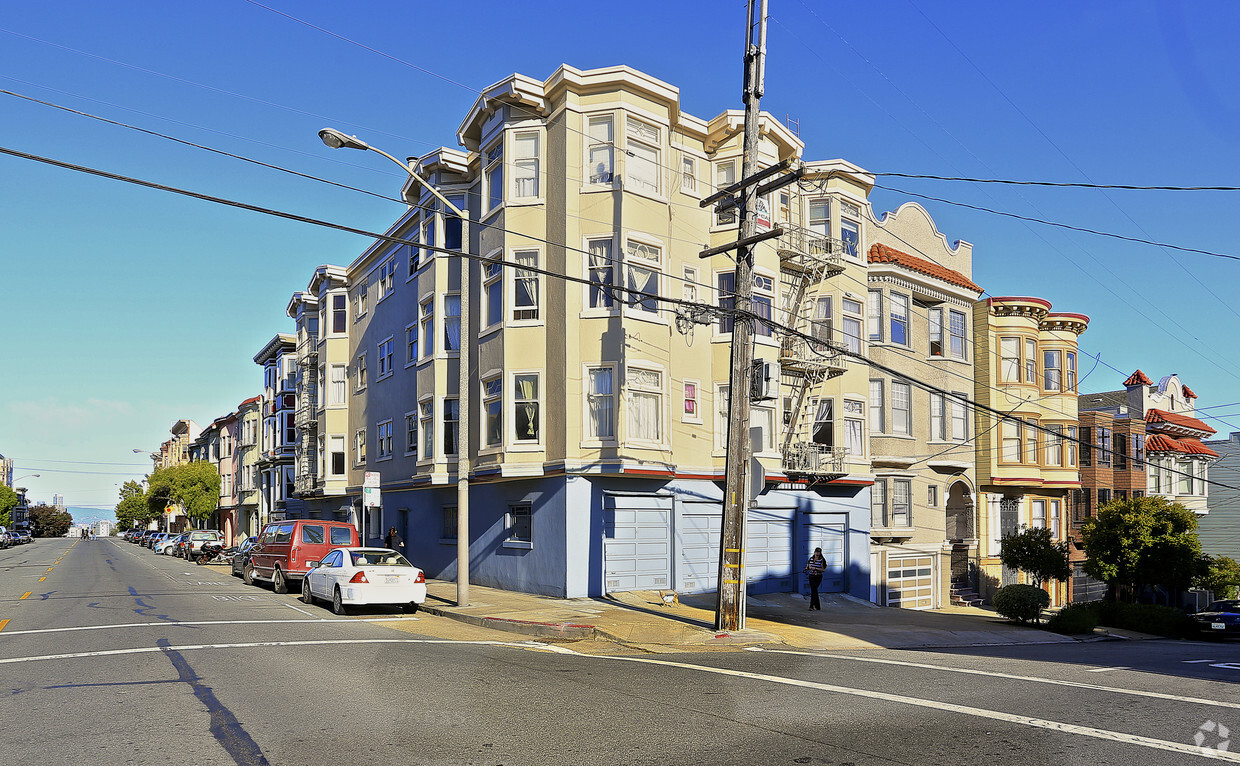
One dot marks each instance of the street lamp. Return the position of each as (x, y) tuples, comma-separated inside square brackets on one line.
[(336, 140), (27, 476)]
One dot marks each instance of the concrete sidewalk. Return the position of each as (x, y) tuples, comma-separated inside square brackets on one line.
[(640, 617)]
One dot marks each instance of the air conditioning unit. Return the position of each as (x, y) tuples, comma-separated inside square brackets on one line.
[(764, 382)]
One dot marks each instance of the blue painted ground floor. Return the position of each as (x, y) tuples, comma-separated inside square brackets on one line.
[(589, 535)]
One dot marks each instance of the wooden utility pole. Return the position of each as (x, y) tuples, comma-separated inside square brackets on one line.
[(730, 603)]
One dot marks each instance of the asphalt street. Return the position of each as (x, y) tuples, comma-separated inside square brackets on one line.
[(112, 655)]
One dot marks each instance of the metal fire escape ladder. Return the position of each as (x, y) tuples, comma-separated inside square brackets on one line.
[(306, 415), (810, 354)]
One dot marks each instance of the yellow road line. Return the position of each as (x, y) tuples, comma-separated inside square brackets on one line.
[(3, 623), (25, 595), (41, 579)]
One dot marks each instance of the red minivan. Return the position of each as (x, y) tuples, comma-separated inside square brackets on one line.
[(285, 549)]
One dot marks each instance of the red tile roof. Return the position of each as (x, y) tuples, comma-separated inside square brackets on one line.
[(1138, 379), (883, 254), (1176, 419), (1188, 393), (1187, 445)]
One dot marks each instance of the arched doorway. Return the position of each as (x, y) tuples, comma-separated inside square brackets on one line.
[(961, 528)]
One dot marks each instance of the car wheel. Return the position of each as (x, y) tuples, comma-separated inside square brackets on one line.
[(247, 574), (411, 607), (338, 603), (306, 596), (278, 583)]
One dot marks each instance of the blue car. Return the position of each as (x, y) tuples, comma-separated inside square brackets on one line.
[(1222, 618)]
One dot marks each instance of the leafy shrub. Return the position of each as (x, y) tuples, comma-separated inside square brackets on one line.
[(1075, 619), (1021, 602), (1146, 618)]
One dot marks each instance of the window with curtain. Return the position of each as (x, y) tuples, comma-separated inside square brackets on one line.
[(960, 417), (688, 174), (600, 404), (493, 411), (384, 443), (823, 427), (452, 323), (428, 328), (338, 388), (1054, 445), (644, 401), (1031, 360), (642, 265), (850, 235), (820, 221), (525, 408), (854, 427), (1031, 443), (525, 286), (850, 324), (602, 272), (1069, 371), (411, 435), (599, 149), (525, 165), (1037, 514)]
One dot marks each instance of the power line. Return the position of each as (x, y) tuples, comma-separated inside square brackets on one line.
[(1057, 184)]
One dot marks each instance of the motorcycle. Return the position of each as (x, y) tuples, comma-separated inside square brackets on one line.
[(215, 553)]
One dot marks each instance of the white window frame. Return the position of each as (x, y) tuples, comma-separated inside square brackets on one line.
[(635, 387), (855, 335), (493, 176), (336, 446), (359, 372), (426, 321), (688, 175), (606, 296), (338, 394), (493, 283), (443, 422), (901, 418), (411, 449), (492, 390), (691, 405), (450, 320), (634, 144), (426, 429), (359, 447), (412, 331), (878, 421), (528, 314), (634, 306), (526, 168), (589, 433), (516, 402), (598, 146)]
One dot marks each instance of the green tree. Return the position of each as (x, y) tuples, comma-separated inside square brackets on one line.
[(1033, 550), (8, 501), (1142, 541), (195, 487), (1219, 574), (47, 521), (132, 511)]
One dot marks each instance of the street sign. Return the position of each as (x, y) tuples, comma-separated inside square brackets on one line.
[(371, 480), (762, 208), (370, 497)]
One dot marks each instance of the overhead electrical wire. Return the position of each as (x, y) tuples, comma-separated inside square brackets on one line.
[(1056, 184)]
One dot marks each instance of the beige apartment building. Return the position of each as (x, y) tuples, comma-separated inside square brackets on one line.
[(597, 349), (1026, 420), (919, 317)]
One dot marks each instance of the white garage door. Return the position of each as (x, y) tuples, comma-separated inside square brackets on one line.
[(697, 540), (637, 546), (910, 582), (768, 554)]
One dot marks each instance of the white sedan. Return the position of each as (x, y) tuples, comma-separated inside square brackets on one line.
[(348, 576)]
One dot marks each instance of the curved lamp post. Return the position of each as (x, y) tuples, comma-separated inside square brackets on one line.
[(336, 140)]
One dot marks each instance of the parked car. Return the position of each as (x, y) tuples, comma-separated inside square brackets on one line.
[(1222, 618), (164, 547), (285, 549), (154, 539), (242, 556), (23, 536), (145, 536), (348, 576), (197, 537), (5, 541)]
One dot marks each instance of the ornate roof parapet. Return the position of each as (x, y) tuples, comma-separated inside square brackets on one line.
[(1074, 323), (1019, 306)]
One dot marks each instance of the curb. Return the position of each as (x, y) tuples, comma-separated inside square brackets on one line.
[(564, 631)]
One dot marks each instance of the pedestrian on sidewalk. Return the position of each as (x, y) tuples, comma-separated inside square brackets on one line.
[(393, 540), (815, 568)]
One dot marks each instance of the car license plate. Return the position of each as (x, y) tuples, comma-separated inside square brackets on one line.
[(391, 579), (1219, 625)]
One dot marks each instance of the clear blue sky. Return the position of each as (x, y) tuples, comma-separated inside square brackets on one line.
[(126, 308)]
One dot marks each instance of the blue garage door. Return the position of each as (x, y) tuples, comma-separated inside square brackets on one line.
[(829, 532), (637, 544), (768, 553), (697, 545)]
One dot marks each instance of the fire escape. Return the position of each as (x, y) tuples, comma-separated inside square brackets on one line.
[(811, 355), (305, 478)]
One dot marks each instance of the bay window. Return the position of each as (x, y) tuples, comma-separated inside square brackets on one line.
[(644, 402), (525, 286), (525, 165), (601, 274), (493, 412), (599, 154), (600, 404), (642, 265), (642, 163), (526, 408)]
